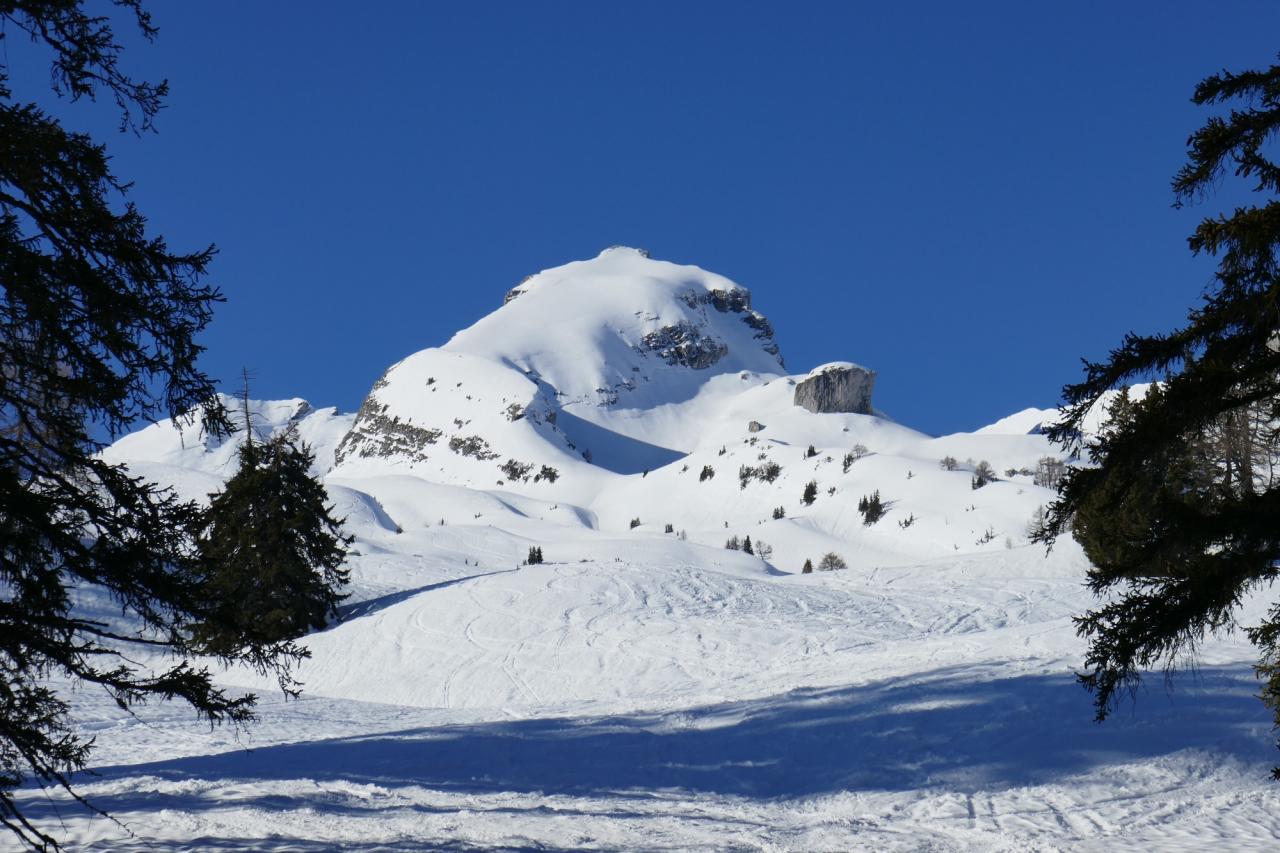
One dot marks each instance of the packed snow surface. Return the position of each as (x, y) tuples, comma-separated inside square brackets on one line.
[(646, 688)]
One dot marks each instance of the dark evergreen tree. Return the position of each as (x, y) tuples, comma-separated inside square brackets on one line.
[(871, 507), (271, 552), (535, 555), (1178, 527), (98, 327), (808, 568), (810, 493), (746, 546)]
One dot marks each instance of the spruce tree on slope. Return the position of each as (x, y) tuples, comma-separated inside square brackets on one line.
[(1180, 527), (98, 326), (271, 552)]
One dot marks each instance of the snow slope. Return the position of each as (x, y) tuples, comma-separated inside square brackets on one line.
[(653, 690)]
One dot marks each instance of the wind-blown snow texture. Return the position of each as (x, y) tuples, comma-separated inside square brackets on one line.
[(651, 690)]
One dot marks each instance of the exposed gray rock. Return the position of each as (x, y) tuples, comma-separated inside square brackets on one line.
[(374, 434), (755, 426), (837, 388), (471, 445), (737, 302), (685, 344), (516, 291)]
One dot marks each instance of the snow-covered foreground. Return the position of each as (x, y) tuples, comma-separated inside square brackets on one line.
[(633, 706), (647, 688)]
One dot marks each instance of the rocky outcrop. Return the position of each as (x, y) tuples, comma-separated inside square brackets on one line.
[(378, 433), (515, 291), (685, 344), (840, 387), (737, 301)]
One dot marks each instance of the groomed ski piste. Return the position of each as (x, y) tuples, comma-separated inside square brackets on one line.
[(649, 689)]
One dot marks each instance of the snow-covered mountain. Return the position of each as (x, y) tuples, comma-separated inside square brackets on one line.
[(636, 388), (596, 360), (647, 687)]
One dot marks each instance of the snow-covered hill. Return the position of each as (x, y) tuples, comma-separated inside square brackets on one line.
[(647, 688)]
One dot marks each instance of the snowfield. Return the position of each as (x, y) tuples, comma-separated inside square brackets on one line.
[(646, 689)]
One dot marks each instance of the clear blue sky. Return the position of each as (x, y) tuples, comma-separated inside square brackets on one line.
[(966, 197)]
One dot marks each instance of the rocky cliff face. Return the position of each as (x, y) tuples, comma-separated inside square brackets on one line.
[(685, 344), (840, 387), (737, 301), (379, 435)]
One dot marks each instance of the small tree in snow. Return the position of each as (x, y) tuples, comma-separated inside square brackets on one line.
[(808, 568), (871, 507), (982, 474), (831, 561), (858, 452), (1049, 472), (810, 493)]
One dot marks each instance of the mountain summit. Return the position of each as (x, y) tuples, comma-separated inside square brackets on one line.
[(624, 329), (577, 361)]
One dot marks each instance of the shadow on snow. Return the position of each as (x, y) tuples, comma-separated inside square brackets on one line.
[(369, 606), (956, 728)]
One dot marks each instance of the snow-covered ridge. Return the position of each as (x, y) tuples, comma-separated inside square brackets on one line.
[(183, 455)]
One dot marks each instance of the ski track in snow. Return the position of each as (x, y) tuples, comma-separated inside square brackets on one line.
[(681, 708)]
